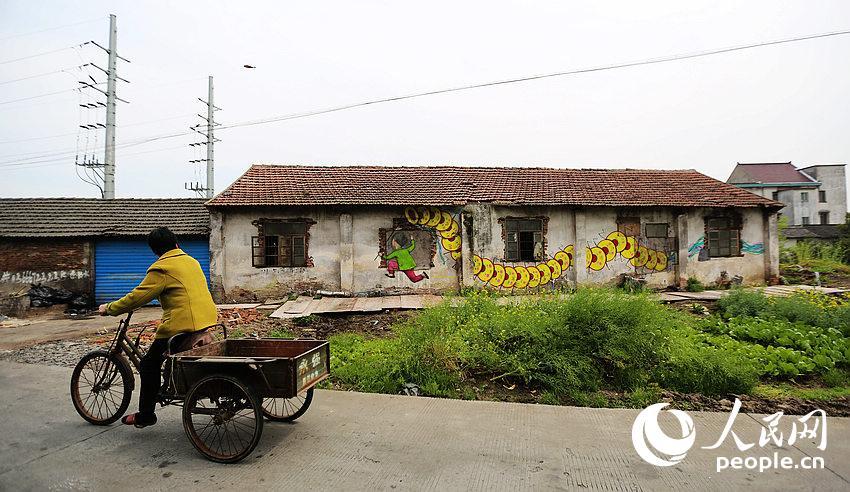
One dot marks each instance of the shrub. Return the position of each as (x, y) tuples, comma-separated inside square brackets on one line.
[(694, 285), (742, 302), (696, 367), (561, 345)]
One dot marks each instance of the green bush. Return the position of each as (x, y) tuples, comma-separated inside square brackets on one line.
[(742, 302), (591, 338), (697, 367), (694, 285)]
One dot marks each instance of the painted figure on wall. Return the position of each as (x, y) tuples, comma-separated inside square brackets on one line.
[(400, 258)]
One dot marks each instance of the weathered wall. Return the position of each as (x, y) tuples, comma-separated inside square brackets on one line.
[(750, 264), (345, 247), (63, 263), (344, 244)]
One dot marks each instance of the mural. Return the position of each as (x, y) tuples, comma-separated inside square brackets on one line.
[(752, 248), (522, 276), (617, 243), (445, 225), (749, 248), (695, 248), (401, 245)]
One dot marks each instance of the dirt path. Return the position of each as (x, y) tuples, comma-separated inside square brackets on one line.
[(52, 326)]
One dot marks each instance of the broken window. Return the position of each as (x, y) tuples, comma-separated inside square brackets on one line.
[(280, 244), (724, 236), (656, 230), (523, 239)]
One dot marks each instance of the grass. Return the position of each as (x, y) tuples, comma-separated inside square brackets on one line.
[(787, 390), (606, 347)]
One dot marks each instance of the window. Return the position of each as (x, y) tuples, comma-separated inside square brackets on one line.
[(775, 195), (806, 221), (824, 217), (723, 237), (822, 196), (804, 196), (523, 239), (280, 244), (656, 230)]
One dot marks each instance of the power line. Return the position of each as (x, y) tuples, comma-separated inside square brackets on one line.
[(38, 54), (47, 94), (49, 29), (650, 61), (64, 160), (39, 75)]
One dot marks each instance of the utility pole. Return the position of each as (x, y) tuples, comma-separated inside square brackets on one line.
[(210, 140), (208, 190), (93, 167)]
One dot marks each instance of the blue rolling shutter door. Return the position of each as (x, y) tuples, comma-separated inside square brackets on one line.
[(120, 266)]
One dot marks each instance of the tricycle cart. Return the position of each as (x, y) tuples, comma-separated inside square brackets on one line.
[(226, 388)]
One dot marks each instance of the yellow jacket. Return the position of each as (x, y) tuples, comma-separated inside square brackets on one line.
[(176, 279)]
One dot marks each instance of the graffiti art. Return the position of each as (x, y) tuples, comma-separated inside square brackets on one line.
[(442, 222), (617, 243), (506, 276)]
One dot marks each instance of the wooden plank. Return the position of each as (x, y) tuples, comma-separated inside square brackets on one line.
[(430, 300), (391, 302), (237, 306), (410, 302), (298, 305), (367, 305)]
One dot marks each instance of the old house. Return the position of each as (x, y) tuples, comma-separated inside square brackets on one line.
[(93, 246), (381, 229)]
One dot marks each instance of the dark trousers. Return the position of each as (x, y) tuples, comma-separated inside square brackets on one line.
[(150, 372)]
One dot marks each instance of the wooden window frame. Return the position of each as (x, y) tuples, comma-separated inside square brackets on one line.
[(714, 236), (515, 254), (821, 196), (281, 254)]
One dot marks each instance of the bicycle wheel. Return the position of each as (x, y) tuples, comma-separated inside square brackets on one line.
[(101, 387), (222, 418), (287, 409)]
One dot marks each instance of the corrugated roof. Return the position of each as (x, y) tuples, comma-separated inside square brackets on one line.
[(819, 231), (768, 172), (454, 185), (91, 217)]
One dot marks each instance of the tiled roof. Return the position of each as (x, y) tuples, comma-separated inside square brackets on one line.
[(91, 217), (812, 232), (451, 185), (779, 172)]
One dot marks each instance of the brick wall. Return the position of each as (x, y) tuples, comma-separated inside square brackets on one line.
[(56, 262)]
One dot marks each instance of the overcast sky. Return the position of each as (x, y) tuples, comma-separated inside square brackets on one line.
[(780, 103)]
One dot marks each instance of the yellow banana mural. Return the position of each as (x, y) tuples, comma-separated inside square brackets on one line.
[(442, 222), (522, 276), (626, 246)]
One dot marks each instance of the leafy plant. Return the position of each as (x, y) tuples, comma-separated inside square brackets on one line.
[(694, 285)]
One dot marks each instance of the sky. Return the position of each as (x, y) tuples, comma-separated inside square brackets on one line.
[(773, 104)]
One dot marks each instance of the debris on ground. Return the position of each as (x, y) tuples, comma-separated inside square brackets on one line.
[(65, 353), (44, 296), (410, 389)]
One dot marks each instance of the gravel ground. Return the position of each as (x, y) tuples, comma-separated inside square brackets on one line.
[(66, 353)]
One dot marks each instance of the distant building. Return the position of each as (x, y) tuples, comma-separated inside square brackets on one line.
[(813, 195)]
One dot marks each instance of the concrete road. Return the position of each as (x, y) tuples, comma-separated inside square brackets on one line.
[(352, 441), (28, 332)]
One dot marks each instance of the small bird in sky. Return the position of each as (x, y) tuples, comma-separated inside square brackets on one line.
[(248, 66)]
